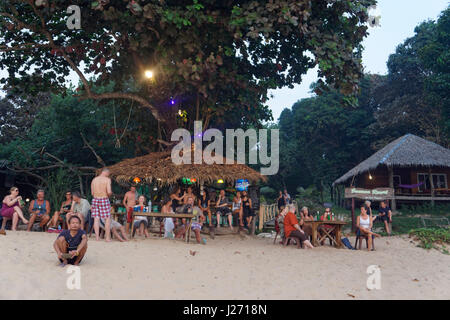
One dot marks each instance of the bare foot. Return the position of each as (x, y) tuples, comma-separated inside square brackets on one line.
[(107, 240)]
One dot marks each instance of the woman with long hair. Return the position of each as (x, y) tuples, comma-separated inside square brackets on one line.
[(12, 209)]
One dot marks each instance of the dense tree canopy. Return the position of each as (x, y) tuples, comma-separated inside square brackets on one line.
[(321, 140), (215, 58), (414, 97)]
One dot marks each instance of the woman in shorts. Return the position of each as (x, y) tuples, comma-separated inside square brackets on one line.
[(141, 223)]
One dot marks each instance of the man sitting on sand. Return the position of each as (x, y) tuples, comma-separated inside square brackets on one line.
[(101, 208), (292, 228), (71, 245), (117, 229)]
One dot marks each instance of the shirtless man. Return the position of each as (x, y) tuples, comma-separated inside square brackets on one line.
[(101, 208), (129, 201)]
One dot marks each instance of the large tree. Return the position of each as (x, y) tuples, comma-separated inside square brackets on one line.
[(414, 96), (215, 58)]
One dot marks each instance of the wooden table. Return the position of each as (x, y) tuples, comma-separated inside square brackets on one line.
[(189, 217), (336, 227)]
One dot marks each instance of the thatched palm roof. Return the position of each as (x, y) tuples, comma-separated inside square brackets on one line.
[(158, 167), (407, 151)]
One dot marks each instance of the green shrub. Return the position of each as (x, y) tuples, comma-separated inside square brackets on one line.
[(430, 238)]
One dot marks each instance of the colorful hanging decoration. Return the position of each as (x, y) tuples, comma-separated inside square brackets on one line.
[(242, 185), (137, 180)]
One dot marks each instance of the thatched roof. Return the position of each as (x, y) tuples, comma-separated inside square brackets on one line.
[(158, 167), (407, 151)]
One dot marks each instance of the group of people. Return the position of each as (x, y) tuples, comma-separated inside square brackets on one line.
[(291, 227)]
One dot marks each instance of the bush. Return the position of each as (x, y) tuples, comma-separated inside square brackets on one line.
[(430, 238)]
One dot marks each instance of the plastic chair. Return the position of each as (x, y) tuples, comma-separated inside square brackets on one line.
[(359, 235)]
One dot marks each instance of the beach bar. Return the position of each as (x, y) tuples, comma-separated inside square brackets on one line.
[(158, 168)]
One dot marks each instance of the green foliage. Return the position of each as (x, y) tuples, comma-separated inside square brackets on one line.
[(432, 238), (60, 181), (319, 139), (426, 209), (220, 58), (414, 97), (57, 130)]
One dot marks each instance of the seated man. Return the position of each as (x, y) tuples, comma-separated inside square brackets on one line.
[(39, 209), (292, 228), (197, 221), (385, 216), (115, 228), (222, 209), (71, 245), (80, 208)]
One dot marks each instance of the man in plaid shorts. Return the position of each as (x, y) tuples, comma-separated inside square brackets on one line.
[(101, 208)]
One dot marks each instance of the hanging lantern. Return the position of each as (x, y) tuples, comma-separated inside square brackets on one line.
[(193, 180), (137, 180), (220, 181)]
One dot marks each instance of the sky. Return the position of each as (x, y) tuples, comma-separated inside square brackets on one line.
[(398, 20)]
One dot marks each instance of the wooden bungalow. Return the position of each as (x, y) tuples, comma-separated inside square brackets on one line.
[(417, 169)]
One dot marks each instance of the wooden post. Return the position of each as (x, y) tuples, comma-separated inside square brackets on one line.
[(353, 215), (391, 185), (261, 217), (430, 177)]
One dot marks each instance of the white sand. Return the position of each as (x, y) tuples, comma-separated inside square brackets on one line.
[(226, 268)]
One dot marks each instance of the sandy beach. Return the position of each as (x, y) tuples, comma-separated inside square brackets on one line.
[(226, 268)]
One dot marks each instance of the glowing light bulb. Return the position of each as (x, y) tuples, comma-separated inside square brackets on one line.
[(149, 74)]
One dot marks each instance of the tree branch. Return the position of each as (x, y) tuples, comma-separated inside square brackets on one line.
[(124, 95), (99, 159)]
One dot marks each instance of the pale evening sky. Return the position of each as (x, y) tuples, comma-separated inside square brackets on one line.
[(398, 20)]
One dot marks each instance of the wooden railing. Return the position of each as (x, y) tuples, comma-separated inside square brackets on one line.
[(268, 212)]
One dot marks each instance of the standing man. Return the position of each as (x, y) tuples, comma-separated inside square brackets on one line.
[(101, 208), (129, 201), (39, 208)]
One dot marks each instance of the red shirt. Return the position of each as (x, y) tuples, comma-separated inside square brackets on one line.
[(290, 220)]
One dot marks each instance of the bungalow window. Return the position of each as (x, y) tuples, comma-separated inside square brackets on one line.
[(439, 181), (397, 181)]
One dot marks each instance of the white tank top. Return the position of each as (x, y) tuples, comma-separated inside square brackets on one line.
[(364, 223), (237, 205)]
